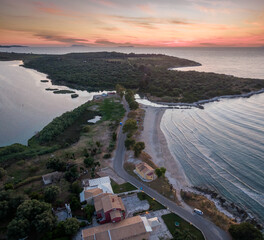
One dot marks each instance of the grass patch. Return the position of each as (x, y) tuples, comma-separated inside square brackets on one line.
[(153, 204), (185, 228), (125, 187), (111, 110)]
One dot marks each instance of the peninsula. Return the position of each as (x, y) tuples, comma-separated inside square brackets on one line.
[(148, 74)]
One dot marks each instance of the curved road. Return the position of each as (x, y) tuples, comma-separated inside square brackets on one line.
[(209, 230)]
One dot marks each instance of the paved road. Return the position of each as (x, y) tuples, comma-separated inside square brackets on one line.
[(209, 230)]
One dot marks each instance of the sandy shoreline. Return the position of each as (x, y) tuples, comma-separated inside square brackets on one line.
[(157, 147)]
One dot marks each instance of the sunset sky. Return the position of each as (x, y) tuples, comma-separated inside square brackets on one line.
[(165, 23)]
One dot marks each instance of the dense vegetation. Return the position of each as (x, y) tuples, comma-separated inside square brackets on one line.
[(25, 203), (63, 131), (245, 231), (147, 73), (60, 124)]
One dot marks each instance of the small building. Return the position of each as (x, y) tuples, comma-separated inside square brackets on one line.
[(145, 171), (109, 208), (94, 187), (134, 228), (51, 177), (89, 194)]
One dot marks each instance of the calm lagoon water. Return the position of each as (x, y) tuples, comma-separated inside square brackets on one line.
[(25, 106)]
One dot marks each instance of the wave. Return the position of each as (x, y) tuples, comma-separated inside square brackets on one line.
[(221, 147)]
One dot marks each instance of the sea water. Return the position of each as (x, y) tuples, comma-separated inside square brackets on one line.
[(220, 147)]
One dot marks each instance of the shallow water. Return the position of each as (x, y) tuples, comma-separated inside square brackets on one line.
[(222, 148), (25, 106)]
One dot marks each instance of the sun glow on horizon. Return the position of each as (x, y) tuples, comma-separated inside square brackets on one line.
[(179, 23)]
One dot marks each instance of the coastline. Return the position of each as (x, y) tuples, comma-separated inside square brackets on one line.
[(157, 147), (215, 99)]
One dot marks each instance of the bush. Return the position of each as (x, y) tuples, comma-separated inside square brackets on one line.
[(51, 193), (2, 173), (107, 155), (138, 147), (129, 143), (245, 231), (56, 164), (89, 211)]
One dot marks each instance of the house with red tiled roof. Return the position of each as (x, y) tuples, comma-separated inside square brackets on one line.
[(109, 208)]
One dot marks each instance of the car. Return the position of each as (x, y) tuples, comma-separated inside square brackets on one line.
[(198, 211)]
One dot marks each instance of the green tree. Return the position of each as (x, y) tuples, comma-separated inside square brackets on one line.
[(31, 216), (56, 164), (129, 95), (163, 170), (129, 143), (138, 147), (2, 173), (51, 193), (130, 126), (88, 161), (133, 105), (75, 203), (18, 228), (76, 188), (89, 211), (245, 231), (120, 90), (72, 174), (4, 209), (158, 172), (71, 226), (44, 221)]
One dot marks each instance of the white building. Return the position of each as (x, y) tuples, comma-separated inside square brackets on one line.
[(95, 187)]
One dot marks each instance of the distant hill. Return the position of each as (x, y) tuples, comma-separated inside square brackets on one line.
[(9, 46), (77, 45)]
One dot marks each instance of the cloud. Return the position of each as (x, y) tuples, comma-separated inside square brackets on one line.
[(110, 28), (105, 3), (62, 39), (146, 9), (148, 22), (51, 8), (213, 11)]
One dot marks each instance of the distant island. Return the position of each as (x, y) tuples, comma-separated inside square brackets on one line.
[(10, 46), (147, 74), (126, 46), (76, 45)]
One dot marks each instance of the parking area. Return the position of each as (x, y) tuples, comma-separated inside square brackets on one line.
[(133, 204)]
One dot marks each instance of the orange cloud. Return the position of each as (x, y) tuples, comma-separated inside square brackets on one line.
[(52, 9), (146, 9)]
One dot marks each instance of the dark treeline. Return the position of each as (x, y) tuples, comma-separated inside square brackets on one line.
[(146, 73)]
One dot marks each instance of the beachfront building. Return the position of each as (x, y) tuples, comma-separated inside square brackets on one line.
[(95, 187), (145, 171), (109, 208), (136, 228)]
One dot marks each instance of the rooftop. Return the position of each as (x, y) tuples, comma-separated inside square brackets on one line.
[(107, 202), (129, 228), (144, 167)]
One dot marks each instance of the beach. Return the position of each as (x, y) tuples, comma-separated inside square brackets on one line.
[(157, 147)]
